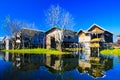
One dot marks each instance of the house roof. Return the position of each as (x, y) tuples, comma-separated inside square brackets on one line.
[(51, 29), (91, 27), (30, 32), (57, 29), (118, 35), (32, 29), (95, 25), (6, 37), (82, 31)]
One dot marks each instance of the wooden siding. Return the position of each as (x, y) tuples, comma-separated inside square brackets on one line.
[(69, 37), (55, 34), (83, 37), (87, 38), (108, 37)]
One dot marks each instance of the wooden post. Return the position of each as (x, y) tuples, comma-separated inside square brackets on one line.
[(98, 52), (7, 43), (7, 56), (98, 47)]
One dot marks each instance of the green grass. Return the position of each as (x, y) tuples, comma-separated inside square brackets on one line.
[(115, 52), (36, 51), (73, 49)]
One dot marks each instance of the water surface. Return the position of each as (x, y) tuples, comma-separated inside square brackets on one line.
[(58, 67)]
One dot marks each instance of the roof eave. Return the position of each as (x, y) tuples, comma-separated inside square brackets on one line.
[(95, 25)]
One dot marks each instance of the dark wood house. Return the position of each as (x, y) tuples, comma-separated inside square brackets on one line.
[(55, 35), (29, 38), (94, 39)]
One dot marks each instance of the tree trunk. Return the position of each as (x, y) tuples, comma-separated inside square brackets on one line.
[(13, 45), (60, 46)]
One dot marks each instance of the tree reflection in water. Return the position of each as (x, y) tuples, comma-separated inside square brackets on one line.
[(25, 62), (84, 63)]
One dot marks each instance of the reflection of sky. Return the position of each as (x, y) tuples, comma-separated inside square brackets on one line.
[(5, 67)]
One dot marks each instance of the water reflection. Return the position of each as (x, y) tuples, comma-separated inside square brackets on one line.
[(25, 62), (1, 56), (61, 63), (6, 56), (95, 66), (84, 63)]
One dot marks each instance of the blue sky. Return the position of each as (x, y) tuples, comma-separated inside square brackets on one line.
[(105, 13)]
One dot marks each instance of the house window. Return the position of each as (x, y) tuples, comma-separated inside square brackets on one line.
[(69, 37), (87, 34), (40, 41), (65, 36)]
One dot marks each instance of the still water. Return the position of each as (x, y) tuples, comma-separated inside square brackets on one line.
[(58, 67)]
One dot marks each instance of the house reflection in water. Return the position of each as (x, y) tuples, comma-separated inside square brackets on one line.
[(61, 63), (95, 66), (25, 62)]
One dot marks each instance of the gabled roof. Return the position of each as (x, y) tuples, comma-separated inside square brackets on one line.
[(91, 27), (82, 31), (118, 35), (30, 32), (58, 29), (95, 25), (6, 37), (32, 29), (51, 29)]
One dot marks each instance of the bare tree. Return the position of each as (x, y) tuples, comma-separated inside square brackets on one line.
[(12, 28), (53, 16), (58, 17)]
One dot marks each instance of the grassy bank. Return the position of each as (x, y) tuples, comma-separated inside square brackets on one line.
[(36, 51), (115, 52), (74, 49)]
